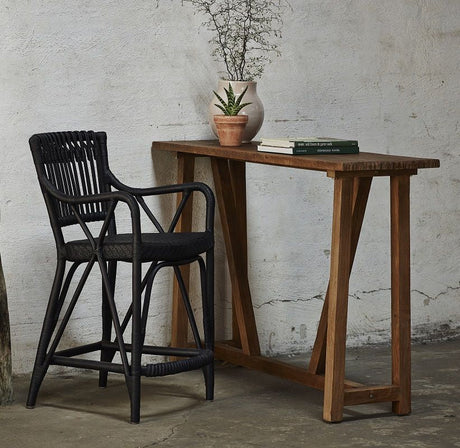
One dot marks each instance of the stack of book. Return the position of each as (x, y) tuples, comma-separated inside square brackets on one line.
[(309, 145)]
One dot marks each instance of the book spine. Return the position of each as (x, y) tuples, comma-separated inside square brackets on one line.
[(326, 150), (344, 143)]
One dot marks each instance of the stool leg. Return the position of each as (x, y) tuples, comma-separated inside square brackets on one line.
[(207, 288), (107, 355), (208, 372), (40, 368), (135, 396), (134, 380)]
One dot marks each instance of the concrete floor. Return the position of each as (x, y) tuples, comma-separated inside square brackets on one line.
[(250, 409)]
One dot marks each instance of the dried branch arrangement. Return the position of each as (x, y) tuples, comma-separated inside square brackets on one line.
[(247, 33)]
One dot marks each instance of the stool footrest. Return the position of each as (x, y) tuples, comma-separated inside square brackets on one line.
[(200, 359), (87, 364), (194, 359)]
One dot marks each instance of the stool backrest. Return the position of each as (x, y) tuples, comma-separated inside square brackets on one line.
[(75, 164)]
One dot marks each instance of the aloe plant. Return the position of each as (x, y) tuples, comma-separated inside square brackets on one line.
[(233, 104)]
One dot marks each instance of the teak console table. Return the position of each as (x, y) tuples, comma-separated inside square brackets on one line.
[(352, 176)]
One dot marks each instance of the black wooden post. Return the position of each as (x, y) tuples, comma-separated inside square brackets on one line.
[(6, 385)]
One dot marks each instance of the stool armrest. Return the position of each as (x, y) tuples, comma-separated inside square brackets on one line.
[(170, 189)]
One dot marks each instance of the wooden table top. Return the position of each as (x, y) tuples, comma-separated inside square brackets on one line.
[(364, 161)]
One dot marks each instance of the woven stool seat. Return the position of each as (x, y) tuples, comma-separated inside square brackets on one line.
[(154, 246)]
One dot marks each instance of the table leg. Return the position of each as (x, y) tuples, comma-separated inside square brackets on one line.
[(238, 177), (229, 184), (179, 323), (400, 292), (334, 381), (361, 188)]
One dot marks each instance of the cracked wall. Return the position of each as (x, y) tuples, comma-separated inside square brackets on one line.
[(384, 72)]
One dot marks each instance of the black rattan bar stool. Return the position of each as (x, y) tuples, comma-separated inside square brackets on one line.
[(79, 189)]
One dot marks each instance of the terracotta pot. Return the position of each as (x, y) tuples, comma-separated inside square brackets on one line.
[(255, 111), (230, 129)]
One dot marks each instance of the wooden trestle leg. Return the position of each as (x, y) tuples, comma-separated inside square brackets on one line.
[(361, 188), (329, 350), (238, 177), (230, 185), (179, 323), (334, 379), (400, 292)]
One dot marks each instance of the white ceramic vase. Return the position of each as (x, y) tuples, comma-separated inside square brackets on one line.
[(255, 111)]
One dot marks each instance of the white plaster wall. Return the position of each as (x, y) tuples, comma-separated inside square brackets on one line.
[(384, 72)]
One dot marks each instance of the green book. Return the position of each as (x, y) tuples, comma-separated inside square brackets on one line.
[(308, 142), (309, 150)]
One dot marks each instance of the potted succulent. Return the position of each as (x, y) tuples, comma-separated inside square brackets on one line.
[(246, 35), (230, 126)]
